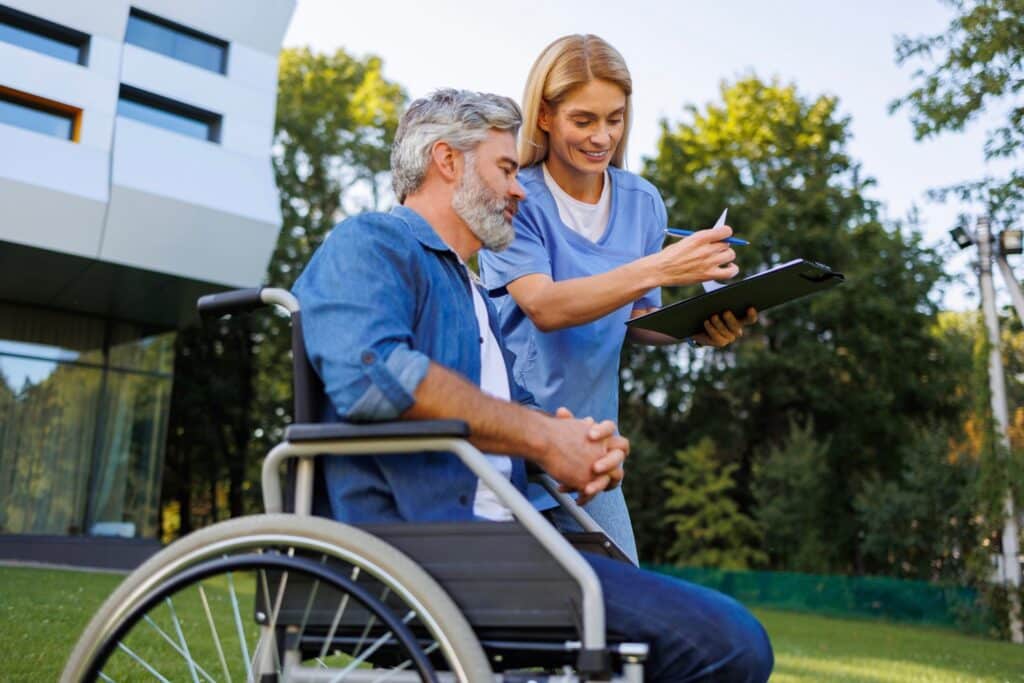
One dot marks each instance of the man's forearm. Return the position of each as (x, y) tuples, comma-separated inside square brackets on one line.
[(496, 426)]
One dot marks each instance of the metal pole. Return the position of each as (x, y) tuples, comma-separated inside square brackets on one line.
[(997, 385), (1016, 294)]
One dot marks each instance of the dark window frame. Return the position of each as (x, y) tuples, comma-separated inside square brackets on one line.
[(148, 99), (52, 107), (48, 29), (186, 30)]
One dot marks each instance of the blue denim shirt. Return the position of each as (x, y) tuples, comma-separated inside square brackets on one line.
[(381, 298)]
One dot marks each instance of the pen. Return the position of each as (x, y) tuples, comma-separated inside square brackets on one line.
[(679, 232)]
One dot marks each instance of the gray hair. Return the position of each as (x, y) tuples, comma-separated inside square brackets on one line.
[(459, 117)]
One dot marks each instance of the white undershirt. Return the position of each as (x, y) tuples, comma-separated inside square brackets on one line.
[(589, 220), (493, 381)]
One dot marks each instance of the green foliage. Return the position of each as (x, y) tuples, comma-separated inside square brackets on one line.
[(791, 501), (336, 118), (708, 528), (920, 525), (861, 362), (976, 64)]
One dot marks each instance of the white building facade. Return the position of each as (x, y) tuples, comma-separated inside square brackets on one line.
[(135, 175)]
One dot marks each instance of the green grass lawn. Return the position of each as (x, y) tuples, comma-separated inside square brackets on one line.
[(43, 611)]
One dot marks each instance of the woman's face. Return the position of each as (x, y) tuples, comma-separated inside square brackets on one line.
[(585, 128)]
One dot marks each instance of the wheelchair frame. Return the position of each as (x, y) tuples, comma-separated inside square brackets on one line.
[(305, 439)]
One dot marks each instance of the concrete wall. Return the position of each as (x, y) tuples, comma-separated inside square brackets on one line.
[(136, 195)]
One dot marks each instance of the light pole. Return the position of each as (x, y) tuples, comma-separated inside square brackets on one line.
[(997, 386)]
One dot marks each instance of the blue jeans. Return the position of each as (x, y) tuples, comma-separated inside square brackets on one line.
[(694, 633), (609, 510)]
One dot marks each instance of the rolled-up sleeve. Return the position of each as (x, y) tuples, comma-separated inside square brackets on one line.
[(358, 299)]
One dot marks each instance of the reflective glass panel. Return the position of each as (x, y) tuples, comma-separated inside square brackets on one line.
[(31, 40), (50, 335), (30, 118), (174, 43), (165, 119), (126, 477), (81, 442), (151, 354), (47, 430)]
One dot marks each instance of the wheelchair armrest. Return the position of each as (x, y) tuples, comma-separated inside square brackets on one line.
[(406, 429)]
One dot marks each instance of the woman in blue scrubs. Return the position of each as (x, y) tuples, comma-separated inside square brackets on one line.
[(588, 252)]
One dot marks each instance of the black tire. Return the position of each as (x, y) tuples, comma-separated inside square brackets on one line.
[(383, 609)]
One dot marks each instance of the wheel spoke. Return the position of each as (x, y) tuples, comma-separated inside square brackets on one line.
[(145, 665), (405, 665), (269, 638), (177, 648), (238, 627), (337, 619), (184, 643), (376, 645), (216, 636), (370, 623), (309, 602)]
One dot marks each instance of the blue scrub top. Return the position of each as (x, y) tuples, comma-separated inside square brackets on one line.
[(577, 367)]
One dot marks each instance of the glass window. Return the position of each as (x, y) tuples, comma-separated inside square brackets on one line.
[(81, 438), (176, 41), (33, 33), (48, 414), (125, 491), (163, 113), (130, 351), (36, 117), (51, 335)]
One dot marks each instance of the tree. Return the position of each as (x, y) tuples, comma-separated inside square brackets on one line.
[(859, 360), (791, 500), (921, 525), (977, 63), (708, 528), (336, 118)]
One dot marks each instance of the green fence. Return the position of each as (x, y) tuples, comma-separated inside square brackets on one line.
[(847, 596)]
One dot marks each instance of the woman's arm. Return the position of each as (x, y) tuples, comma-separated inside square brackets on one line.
[(554, 305)]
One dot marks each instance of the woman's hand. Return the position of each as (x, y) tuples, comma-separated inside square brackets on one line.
[(722, 330), (702, 256)]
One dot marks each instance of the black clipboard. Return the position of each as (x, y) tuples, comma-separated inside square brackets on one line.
[(767, 289)]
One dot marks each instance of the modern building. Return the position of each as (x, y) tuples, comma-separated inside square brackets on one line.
[(135, 175)]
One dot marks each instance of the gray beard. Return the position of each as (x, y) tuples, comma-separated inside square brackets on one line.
[(481, 210)]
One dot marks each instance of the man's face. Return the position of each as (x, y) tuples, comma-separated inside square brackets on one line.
[(488, 194)]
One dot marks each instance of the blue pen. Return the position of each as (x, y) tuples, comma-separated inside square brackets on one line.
[(679, 232)]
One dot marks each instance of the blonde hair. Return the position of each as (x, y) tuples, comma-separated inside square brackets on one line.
[(563, 66)]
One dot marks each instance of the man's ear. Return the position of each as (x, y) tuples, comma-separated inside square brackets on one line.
[(447, 160)]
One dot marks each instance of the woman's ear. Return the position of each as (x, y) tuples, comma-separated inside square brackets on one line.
[(544, 116), (447, 160)]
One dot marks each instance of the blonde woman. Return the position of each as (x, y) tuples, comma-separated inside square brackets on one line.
[(588, 253)]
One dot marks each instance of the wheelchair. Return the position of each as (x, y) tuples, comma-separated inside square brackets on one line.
[(291, 596)]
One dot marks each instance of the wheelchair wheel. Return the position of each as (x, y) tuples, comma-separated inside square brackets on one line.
[(276, 598)]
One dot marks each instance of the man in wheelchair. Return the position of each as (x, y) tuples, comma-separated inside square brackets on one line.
[(397, 327)]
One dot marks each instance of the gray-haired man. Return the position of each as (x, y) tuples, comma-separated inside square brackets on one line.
[(396, 328)]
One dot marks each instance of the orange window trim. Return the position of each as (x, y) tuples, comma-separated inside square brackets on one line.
[(52, 106)]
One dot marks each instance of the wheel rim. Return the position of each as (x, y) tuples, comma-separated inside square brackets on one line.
[(217, 640)]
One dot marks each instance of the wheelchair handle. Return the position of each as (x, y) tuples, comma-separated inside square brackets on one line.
[(245, 300)]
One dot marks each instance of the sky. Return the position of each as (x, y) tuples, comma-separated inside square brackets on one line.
[(678, 54)]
